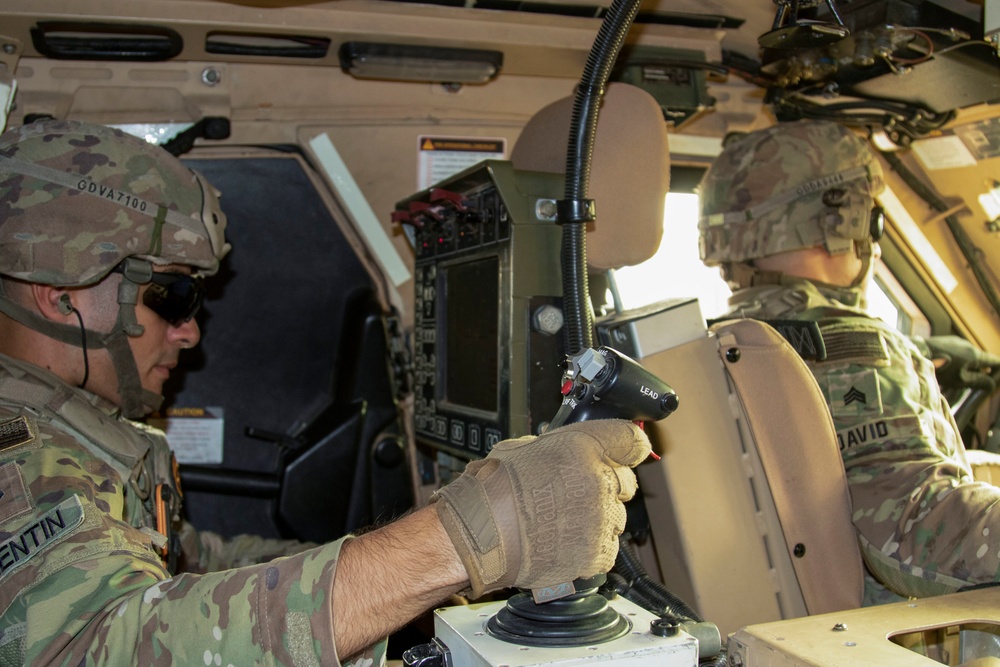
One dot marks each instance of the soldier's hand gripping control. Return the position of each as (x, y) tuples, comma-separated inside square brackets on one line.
[(542, 510), (965, 365)]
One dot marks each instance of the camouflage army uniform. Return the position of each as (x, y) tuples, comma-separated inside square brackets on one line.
[(90, 527), (924, 524), (81, 579)]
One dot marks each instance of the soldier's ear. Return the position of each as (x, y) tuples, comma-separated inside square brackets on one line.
[(53, 303)]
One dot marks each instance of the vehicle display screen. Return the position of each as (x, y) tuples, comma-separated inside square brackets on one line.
[(471, 332)]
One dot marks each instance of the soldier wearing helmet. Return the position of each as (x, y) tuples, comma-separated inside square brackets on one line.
[(104, 243), (789, 214), (119, 185), (790, 187)]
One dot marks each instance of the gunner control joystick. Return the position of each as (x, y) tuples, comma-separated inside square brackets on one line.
[(581, 619), (597, 384)]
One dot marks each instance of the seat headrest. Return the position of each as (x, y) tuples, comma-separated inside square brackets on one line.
[(630, 170)]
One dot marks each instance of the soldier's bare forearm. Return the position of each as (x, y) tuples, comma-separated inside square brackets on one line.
[(389, 576)]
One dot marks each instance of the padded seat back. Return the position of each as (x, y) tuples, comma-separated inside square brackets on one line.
[(629, 176), (749, 506)]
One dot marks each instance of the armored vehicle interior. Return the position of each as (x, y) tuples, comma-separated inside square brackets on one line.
[(397, 295)]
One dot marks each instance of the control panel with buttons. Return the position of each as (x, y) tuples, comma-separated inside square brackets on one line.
[(487, 299)]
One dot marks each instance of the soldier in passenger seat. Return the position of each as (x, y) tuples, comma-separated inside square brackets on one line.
[(789, 214), (105, 241)]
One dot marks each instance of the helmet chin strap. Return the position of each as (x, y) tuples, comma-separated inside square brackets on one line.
[(740, 275), (865, 250), (135, 401)]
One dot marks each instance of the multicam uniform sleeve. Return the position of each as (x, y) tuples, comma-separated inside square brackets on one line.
[(205, 551), (926, 527), (81, 587)]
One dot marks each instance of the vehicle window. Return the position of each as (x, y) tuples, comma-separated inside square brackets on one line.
[(275, 346), (889, 301), (881, 305), (675, 271)]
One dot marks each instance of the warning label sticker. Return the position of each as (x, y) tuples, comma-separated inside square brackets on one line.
[(194, 433), (441, 157)]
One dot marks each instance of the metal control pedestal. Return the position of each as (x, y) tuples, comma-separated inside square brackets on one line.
[(463, 631)]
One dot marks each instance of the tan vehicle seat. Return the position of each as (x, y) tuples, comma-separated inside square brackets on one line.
[(750, 512), (726, 518)]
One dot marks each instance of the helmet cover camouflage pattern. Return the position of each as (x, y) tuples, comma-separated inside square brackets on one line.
[(76, 199), (791, 186)]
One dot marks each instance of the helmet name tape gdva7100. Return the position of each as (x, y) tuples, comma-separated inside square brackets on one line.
[(78, 200)]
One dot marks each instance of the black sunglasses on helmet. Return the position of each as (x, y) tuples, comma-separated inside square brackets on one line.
[(175, 297)]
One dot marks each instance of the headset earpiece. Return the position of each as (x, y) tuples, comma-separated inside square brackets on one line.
[(876, 224), (65, 305)]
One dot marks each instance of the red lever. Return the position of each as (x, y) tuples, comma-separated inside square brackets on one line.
[(440, 194)]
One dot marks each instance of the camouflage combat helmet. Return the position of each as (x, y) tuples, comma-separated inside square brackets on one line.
[(791, 186), (78, 201)]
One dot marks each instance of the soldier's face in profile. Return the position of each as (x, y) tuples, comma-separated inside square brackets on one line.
[(156, 351)]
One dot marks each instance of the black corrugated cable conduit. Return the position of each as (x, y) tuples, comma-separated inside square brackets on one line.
[(574, 211), (665, 603), (638, 587), (651, 595)]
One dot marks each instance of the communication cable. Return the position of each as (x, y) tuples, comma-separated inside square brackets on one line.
[(576, 210)]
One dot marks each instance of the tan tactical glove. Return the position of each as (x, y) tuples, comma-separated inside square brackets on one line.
[(543, 510)]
